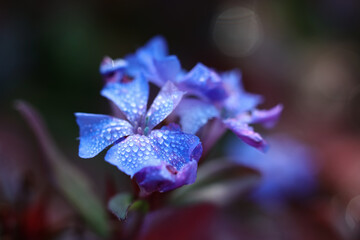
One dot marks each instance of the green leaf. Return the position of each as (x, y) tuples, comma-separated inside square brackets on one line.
[(141, 206), (69, 180), (218, 181), (120, 204)]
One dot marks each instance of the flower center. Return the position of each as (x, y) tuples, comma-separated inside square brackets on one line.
[(142, 131)]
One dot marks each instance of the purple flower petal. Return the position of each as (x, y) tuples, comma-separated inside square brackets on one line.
[(144, 59), (239, 103), (133, 154), (246, 133), (176, 148), (194, 114), (131, 98), (163, 178), (156, 47), (99, 131), (276, 184), (165, 102), (204, 83), (159, 162), (239, 100), (167, 69), (267, 117)]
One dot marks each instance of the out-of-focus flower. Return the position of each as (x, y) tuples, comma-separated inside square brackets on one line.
[(158, 67), (204, 83), (152, 60), (236, 112), (209, 94), (287, 168), (159, 160)]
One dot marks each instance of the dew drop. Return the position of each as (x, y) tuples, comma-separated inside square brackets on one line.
[(135, 148)]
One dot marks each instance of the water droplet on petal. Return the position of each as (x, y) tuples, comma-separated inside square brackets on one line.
[(135, 148)]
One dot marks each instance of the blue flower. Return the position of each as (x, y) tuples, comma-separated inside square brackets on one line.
[(158, 67), (154, 62), (151, 60), (204, 83), (236, 112), (158, 159), (287, 169), (216, 96)]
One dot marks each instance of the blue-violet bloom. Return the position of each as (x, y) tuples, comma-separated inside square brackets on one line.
[(287, 168), (236, 112), (158, 159), (158, 67), (216, 95)]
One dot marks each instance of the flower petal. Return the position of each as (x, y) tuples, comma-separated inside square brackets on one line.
[(133, 154), (204, 83), (175, 147), (162, 179), (131, 98), (156, 47), (165, 102), (239, 100), (179, 153), (267, 117), (164, 160), (143, 59), (246, 133), (167, 69), (239, 103), (109, 65), (99, 131), (276, 184), (194, 114)]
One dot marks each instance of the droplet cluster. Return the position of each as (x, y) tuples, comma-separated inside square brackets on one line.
[(161, 146), (164, 104), (174, 147), (99, 131), (131, 97), (133, 154)]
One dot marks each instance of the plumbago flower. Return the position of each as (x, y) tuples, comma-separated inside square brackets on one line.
[(287, 163), (236, 112), (152, 60), (158, 159), (214, 96), (158, 67)]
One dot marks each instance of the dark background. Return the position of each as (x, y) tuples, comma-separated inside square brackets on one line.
[(307, 58)]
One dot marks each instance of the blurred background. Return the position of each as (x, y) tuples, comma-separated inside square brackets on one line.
[(304, 54)]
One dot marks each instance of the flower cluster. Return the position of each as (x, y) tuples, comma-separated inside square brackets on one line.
[(277, 184), (166, 158)]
